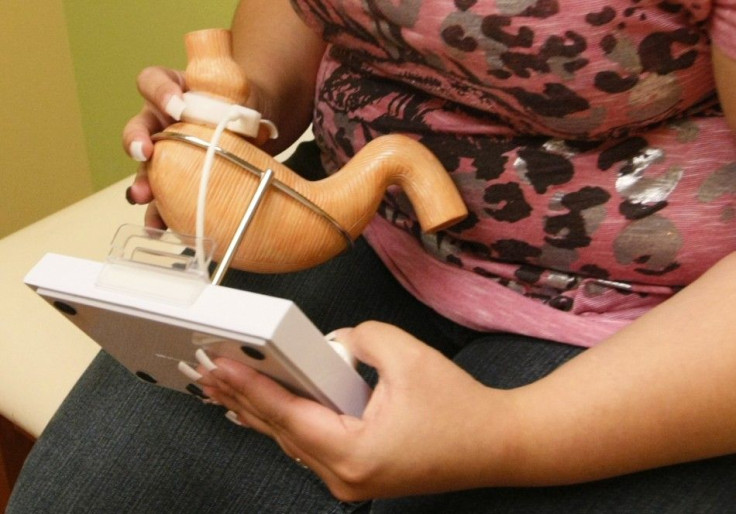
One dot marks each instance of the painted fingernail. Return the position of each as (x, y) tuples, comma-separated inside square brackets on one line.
[(233, 417), (129, 196), (136, 151), (205, 360), (175, 107), (189, 371)]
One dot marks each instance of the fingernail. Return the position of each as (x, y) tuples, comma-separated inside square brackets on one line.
[(233, 417), (136, 151), (129, 196), (335, 334), (343, 352), (189, 371), (205, 360), (175, 107), (273, 131)]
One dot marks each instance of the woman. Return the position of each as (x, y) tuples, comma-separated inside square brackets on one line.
[(588, 143)]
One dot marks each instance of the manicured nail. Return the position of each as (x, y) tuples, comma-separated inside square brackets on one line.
[(272, 129), (136, 151), (175, 107), (205, 360), (343, 352), (334, 341), (233, 417), (335, 334), (129, 196), (189, 371)]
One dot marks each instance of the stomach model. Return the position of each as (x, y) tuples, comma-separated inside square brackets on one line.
[(299, 223)]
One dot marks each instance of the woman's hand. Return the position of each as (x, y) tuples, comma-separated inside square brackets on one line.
[(661, 391), (429, 426), (162, 90), (281, 56)]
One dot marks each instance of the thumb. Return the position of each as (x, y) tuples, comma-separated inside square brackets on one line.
[(380, 345)]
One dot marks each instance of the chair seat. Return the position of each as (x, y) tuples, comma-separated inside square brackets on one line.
[(43, 354)]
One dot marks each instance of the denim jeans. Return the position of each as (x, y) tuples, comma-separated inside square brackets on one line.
[(118, 445)]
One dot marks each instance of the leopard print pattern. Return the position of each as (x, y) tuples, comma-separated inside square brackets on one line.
[(585, 136)]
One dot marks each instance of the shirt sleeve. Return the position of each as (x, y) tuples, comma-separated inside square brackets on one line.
[(723, 26)]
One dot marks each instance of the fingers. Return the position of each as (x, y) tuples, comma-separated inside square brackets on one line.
[(266, 406), (137, 134), (162, 90), (225, 391), (264, 397), (152, 218), (382, 346), (140, 191)]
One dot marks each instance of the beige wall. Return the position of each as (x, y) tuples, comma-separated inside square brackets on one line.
[(43, 160)]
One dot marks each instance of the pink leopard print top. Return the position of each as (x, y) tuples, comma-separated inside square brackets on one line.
[(584, 136)]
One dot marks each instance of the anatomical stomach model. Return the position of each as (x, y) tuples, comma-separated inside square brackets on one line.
[(298, 223)]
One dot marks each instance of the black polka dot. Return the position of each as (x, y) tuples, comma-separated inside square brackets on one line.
[(253, 353), (195, 391), (146, 377), (65, 308)]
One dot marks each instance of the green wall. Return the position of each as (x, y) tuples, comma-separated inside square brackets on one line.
[(67, 88), (111, 41)]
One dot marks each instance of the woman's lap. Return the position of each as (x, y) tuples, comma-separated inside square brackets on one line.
[(120, 445)]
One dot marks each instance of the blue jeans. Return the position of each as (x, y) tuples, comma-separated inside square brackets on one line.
[(118, 445)]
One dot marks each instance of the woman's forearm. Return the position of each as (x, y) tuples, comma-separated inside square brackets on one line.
[(659, 392), (662, 391), (280, 56)]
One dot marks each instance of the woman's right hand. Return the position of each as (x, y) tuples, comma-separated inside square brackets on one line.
[(285, 68), (162, 90)]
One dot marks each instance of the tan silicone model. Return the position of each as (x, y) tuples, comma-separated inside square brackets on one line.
[(286, 235)]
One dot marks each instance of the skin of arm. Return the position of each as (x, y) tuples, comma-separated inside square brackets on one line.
[(281, 56), (659, 392)]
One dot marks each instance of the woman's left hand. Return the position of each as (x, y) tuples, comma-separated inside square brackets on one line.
[(429, 426)]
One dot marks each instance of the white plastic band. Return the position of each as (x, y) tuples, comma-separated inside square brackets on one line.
[(207, 110)]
